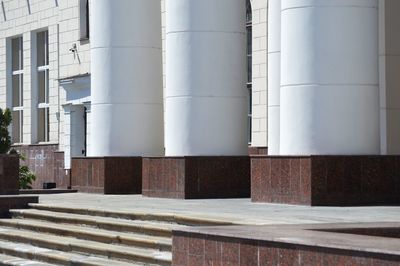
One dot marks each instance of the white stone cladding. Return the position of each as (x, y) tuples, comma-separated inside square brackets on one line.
[(259, 69), (126, 106), (274, 75), (206, 95), (329, 77), (61, 19), (259, 83)]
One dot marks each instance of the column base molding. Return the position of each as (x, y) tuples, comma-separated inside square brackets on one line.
[(198, 177), (326, 180)]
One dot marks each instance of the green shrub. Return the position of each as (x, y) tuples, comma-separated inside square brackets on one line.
[(5, 122), (26, 176)]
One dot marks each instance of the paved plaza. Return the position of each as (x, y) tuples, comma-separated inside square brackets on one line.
[(241, 211)]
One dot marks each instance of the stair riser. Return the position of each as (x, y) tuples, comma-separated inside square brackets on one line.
[(80, 249), (153, 231), (88, 236)]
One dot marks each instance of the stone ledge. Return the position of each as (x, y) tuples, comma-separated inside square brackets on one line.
[(196, 177), (46, 191), (326, 180)]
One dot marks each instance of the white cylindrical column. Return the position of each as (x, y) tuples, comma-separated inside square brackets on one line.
[(329, 83), (126, 66), (274, 75), (205, 78)]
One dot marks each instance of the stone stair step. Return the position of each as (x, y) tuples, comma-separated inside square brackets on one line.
[(26, 254), (88, 233), (129, 215), (121, 225), (8, 260), (69, 244)]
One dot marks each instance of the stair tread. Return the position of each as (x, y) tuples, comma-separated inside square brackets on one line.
[(136, 215), (113, 236), (80, 245), (95, 221), (38, 254), (11, 260)]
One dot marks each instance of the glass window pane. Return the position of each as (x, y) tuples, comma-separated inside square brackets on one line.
[(43, 85), (15, 91), (249, 69), (43, 124), (42, 49), (248, 12), (249, 40), (249, 129), (17, 122), (21, 90), (16, 54), (87, 19), (250, 97), (47, 124)]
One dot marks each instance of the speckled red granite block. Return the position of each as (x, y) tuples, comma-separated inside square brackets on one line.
[(326, 180), (9, 174), (108, 175), (48, 163), (258, 150), (196, 177), (222, 250), (8, 202)]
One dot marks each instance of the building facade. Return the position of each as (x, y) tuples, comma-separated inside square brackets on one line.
[(69, 100)]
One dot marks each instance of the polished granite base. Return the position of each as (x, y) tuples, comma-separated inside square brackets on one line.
[(8, 202), (197, 177), (326, 180), (108, 175)]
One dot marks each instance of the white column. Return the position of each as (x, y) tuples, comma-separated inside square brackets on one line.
[(329, 83), (67, 135), (126, 78), (274, 75), (205, 78)]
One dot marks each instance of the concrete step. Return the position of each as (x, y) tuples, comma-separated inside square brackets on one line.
[(88, 233), (11, 261), (70, 244), (26, 254), (115, 224), (159, 217)]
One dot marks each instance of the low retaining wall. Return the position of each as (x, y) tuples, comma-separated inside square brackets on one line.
[(281, 245)]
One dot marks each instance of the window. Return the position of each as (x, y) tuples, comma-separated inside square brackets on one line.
[(17, 89), (84, 19), (42, 54), (249, 31)]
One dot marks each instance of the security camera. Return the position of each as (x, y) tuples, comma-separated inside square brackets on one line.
[(73, 49)]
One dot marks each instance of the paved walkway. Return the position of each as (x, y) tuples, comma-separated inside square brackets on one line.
[(234, 210)]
